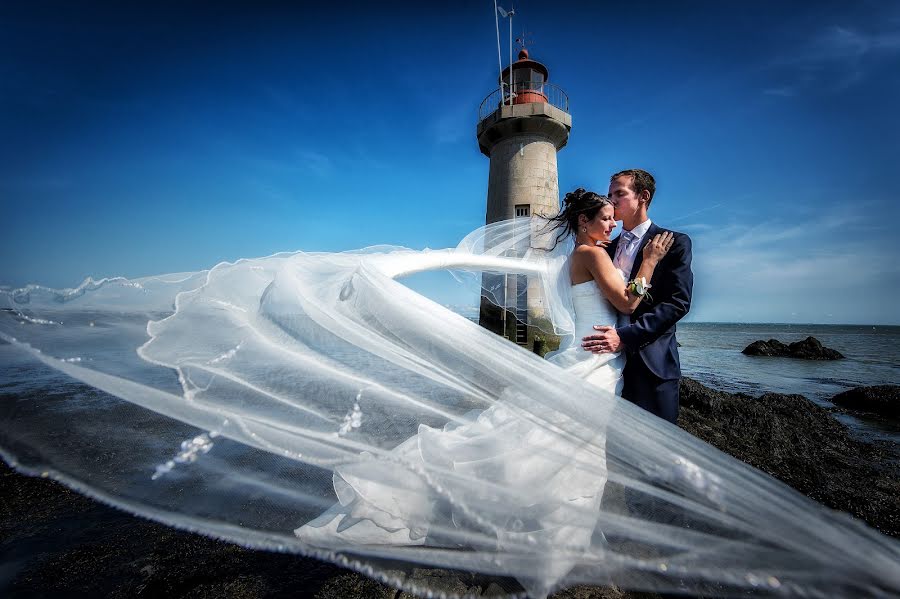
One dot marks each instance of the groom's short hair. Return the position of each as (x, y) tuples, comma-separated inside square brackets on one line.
[(640, 180)]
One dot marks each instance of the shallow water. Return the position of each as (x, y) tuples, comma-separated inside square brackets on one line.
[(711, 354)]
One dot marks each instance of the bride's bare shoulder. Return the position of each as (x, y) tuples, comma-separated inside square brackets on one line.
[(586, 248), (591, 252)]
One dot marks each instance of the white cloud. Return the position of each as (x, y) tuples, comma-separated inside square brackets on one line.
[(836, 58), (784, 92), (315, 162), (780, 271), (299, 161), (694, 213)]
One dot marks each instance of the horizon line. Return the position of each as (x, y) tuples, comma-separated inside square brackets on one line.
[(821, 324)]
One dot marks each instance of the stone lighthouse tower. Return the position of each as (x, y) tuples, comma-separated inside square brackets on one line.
[(521, 127)]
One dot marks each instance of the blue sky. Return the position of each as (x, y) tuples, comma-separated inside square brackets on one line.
[(167, 138)]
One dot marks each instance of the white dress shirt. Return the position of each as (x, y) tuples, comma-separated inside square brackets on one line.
[(627, 252)]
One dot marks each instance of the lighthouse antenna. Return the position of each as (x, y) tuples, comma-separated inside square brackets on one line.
[(499, 55), (525, 40), (511, 88), (507, 14)]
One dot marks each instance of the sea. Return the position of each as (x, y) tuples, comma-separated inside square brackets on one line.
[(711, 354)]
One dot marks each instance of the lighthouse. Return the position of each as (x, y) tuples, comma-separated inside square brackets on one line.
[(521, 127)]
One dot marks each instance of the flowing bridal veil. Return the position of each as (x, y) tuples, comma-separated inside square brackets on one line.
[(226, 401)]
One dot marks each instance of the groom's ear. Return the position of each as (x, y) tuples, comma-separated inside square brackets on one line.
[(645, 196)]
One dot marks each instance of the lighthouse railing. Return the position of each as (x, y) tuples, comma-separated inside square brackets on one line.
[(523, 92)]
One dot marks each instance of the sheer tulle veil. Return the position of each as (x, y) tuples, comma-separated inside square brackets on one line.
[(223, 401)]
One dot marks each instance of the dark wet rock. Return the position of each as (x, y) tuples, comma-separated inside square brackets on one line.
[(243, 587), (772, 348), (808, 349), (812, 349), (801, 444), (442, 581), (588, 592), (883, 400), (54, 542), (352, 584)]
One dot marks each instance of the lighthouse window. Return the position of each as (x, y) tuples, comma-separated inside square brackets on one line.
[(528, 76), (523, 210)]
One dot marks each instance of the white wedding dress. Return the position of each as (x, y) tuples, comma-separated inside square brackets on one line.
[(503, 445)]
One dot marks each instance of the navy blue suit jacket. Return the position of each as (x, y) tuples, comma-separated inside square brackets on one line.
[(651, 335)]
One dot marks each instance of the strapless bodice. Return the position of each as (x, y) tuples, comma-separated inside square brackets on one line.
[(591, 308)]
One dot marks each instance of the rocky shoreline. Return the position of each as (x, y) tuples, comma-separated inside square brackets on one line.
[(802, 445), (56, 542)]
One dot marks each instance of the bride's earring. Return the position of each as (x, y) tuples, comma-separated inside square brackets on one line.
[(584, 229)]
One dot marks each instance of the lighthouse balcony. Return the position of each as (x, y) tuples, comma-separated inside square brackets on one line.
[(523, 92), (530, 109)]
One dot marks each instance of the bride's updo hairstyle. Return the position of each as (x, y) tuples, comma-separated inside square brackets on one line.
[(577, 202)]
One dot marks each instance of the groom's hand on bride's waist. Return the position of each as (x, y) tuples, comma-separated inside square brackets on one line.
[(605, 341)]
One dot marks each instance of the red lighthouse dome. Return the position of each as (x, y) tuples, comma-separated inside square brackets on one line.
[(528, 79)]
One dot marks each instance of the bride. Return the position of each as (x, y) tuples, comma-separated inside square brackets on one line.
[(301, 377), (516, 452)]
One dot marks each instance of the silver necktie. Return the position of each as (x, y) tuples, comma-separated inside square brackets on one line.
[(627, 238)]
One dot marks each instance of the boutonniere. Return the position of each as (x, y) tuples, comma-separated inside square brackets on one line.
[(640, 287)]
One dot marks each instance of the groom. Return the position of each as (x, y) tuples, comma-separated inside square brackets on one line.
[(652, 370)]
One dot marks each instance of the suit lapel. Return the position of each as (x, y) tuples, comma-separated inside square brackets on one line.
[(639, 257)]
